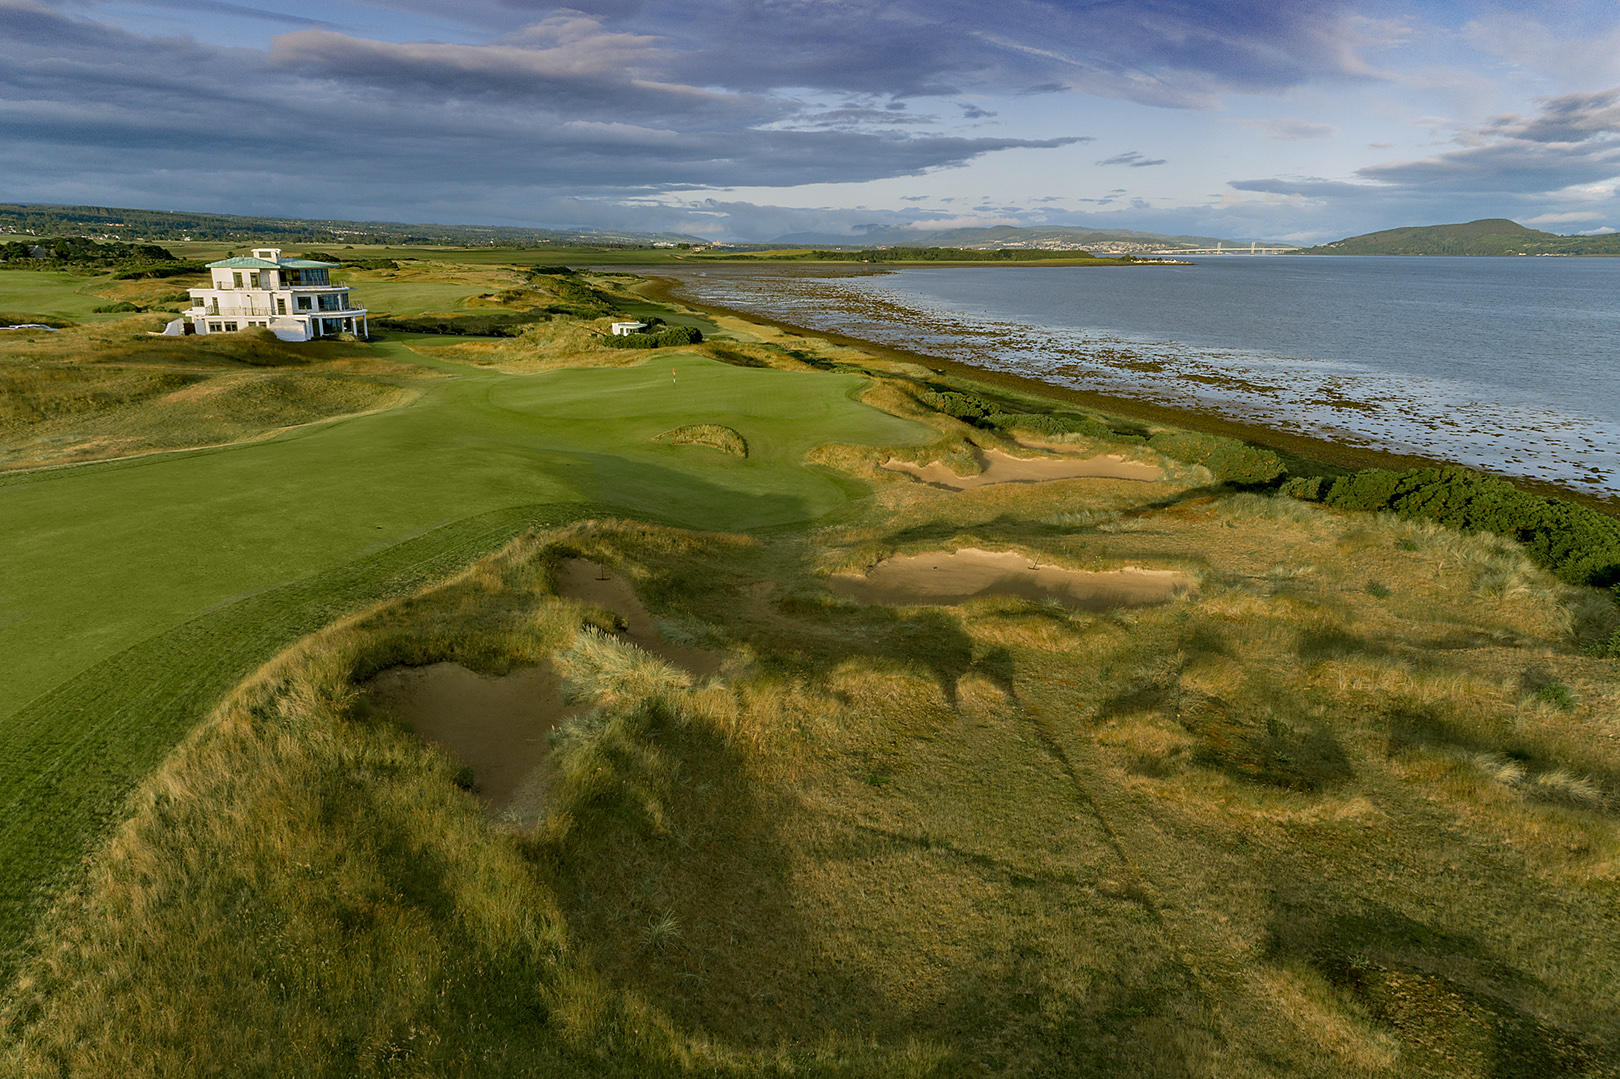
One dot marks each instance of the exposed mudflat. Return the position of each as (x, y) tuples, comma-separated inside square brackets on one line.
[(591, 582), (956, 576), (497, 726), (998, 467)]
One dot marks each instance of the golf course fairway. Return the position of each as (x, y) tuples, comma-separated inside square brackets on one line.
[(133, 592)]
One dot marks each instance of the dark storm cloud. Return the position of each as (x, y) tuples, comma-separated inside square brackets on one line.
[(565, 105)]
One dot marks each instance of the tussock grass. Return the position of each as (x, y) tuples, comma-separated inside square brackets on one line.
[(1003, 839), (714, 435), (96, 392)]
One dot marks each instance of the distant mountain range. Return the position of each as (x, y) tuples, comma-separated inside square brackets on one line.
[(1491, 236)]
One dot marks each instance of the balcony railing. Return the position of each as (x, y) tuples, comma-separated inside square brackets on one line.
[(242, 308)]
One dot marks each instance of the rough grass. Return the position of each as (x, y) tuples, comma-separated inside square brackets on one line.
[(1196, 839), (714, 435)]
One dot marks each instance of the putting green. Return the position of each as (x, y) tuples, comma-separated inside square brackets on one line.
[(133, 592)]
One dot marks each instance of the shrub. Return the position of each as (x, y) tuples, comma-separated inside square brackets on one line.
[(672, 335), (493, 324), (122, 305), (1606, 649), (170, 269), (963, 406), (1556, 694), (1580, 545), (1053, 423), (1306, 488), (1228, 459)]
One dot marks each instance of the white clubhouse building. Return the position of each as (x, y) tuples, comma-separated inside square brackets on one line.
[(293, 298)]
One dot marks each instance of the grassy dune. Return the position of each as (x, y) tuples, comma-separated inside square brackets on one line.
[(1352, 808), (1272, 830)]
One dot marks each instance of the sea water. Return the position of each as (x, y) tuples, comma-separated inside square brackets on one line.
[(1507, 364)]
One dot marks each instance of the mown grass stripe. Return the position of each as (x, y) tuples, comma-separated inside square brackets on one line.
[(70, 757)]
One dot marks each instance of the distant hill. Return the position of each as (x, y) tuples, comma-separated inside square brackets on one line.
[(1109, 241), (1490, 236), (127, 225)]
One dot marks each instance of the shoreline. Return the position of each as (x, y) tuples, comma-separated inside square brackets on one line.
[(1320, 453)]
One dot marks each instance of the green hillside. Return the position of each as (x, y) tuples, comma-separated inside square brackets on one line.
[(1490, 236)]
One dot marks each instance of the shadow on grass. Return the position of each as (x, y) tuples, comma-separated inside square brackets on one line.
[(674, 878), (1454, 1005)]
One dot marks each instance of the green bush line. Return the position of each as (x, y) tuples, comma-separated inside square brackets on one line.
[(1578, 544), (1228, 459), (495, 324), (12, 318), (672, 335)]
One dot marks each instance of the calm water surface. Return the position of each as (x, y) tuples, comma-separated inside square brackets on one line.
[(1509, 364)]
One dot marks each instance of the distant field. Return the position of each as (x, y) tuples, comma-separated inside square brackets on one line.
[(380, 295), (54, 292)]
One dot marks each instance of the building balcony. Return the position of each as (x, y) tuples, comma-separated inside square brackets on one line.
[(233, 310)]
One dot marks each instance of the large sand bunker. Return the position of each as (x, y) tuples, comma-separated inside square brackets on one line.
[(955, 576), (998, 467), (582, 579), (496, 726)]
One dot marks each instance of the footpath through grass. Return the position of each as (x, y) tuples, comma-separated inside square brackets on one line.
[(104, 568)]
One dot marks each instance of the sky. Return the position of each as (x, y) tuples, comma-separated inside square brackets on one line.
[(1289, 120)]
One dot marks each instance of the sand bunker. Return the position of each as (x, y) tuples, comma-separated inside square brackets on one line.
[(591, 582), (955, 576), (998, 467), (495, 726)]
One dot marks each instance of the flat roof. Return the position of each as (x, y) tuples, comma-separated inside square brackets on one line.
[(243, 262)]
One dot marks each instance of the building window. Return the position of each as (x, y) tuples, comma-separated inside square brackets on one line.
[(253, 279), (281, 305), (230, 327), (238, 277), (213, 327), (303, 303)]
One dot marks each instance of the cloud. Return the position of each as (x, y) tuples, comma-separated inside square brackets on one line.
[(343, 125), (1567, 118), (1558, 165), (1305, 188), (1172, 52), (1291, 130), (1574, 140), (1134, 159)]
